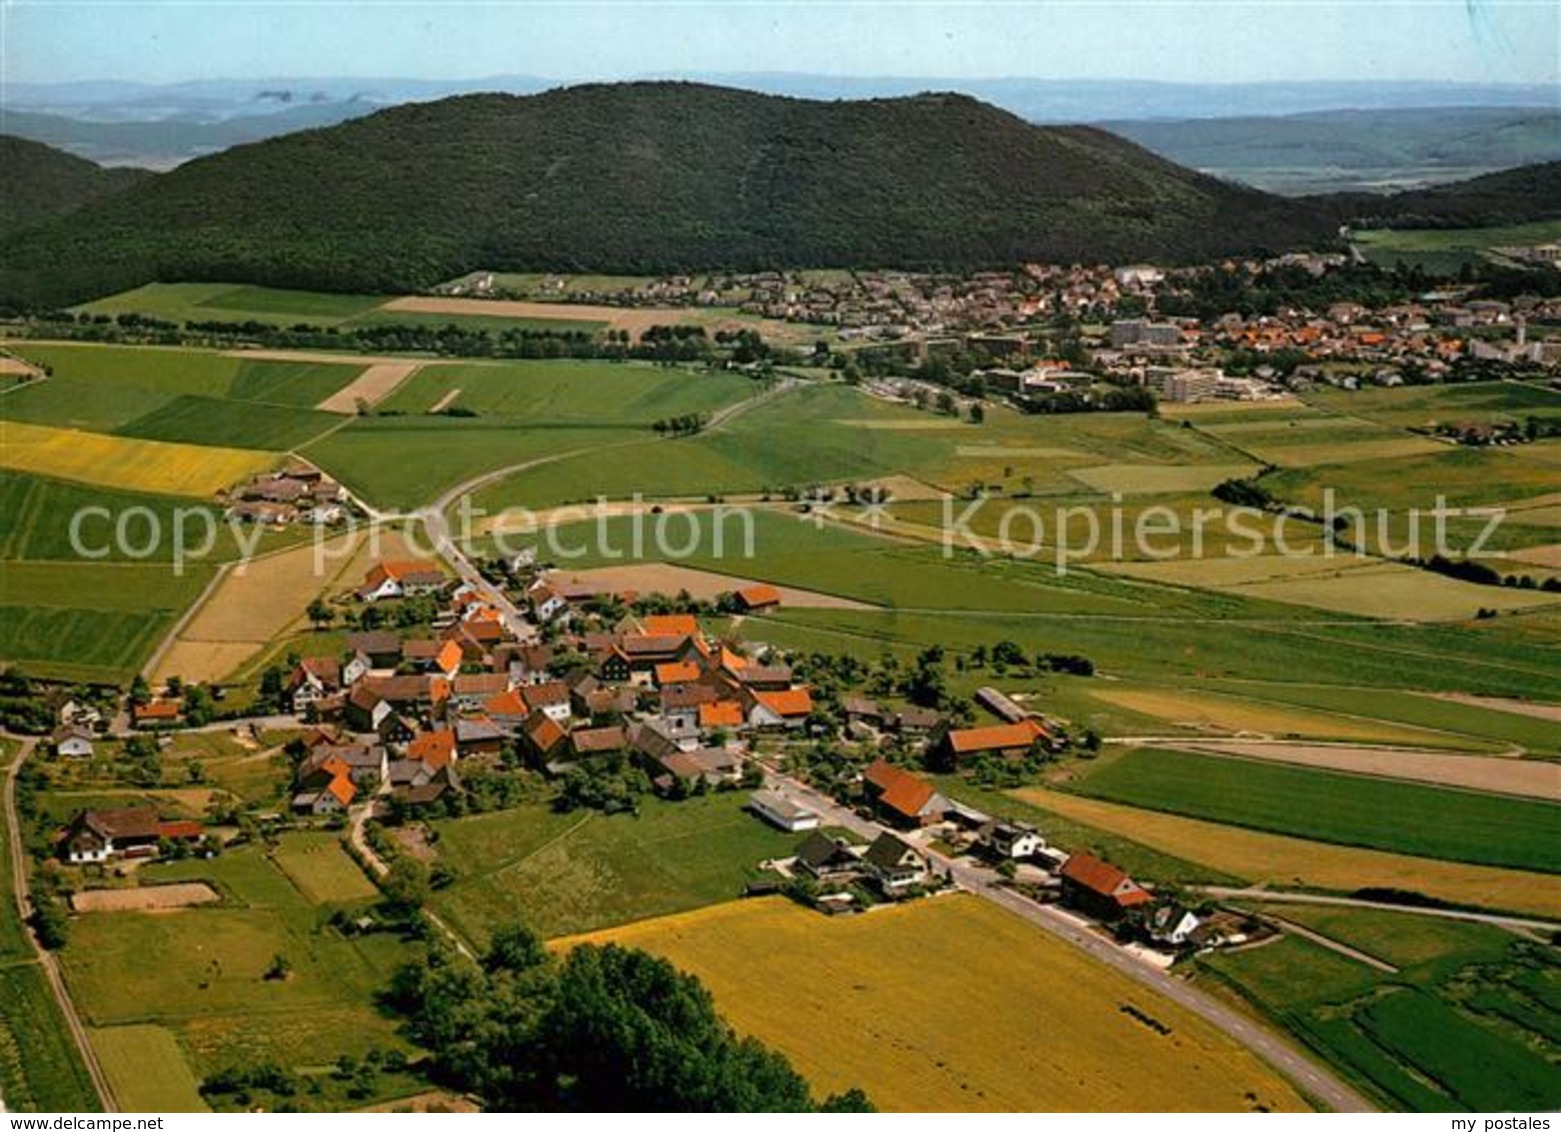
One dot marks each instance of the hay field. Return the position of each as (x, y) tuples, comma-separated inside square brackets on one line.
[(1206, 712), (139, 465), (253, 604), (1291, 862), (952, 1004), (146, 1069)]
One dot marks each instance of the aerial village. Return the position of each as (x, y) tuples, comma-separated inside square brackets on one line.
[(583, 687)]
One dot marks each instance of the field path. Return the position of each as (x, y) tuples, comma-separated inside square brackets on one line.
[(46, 958), (1268, 895), (1316, 1081)]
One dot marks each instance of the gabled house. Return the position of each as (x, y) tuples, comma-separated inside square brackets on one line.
[(1172, 925), (365, 709), (828, 859), (435, 748), (380, 647), (312, 680), (722, 715), (550, 699), (543, 736), (400, 579), (1099, 889), (788, 709), (72, 742), (1011, 841), (902, 798), (100, 835), (894, 864)]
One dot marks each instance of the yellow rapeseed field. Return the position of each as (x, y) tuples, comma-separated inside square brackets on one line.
[(1269, 858), (123, 462), (952, 1004)]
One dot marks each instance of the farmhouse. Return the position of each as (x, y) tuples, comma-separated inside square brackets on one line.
[(99, 835), (313, 679), (334, 797), (781, 812), (1011, 841), (380, 647), (1099, 889), (902, 798), (400, 579), (789, 708)]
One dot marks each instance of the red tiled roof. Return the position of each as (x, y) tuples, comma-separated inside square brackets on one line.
[(1001, 737), (899, 790), (677, 672), (788, 704), (762, 594), (671, 625), (722, 713), (436, 748), (1104, 879)]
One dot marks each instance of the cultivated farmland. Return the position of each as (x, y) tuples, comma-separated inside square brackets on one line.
[(869, 1000), (1397, 817), (1267, 858), (122, 462)]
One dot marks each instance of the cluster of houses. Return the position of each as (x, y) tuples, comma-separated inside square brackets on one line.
[(300, 492), (400, 713)]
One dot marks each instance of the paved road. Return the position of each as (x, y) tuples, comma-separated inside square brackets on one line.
[(1316, 1081), (46, 959), (1266, 895)]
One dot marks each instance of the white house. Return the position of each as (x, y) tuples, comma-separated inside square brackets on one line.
[(72, 742), (894, 864), (1172, 924)]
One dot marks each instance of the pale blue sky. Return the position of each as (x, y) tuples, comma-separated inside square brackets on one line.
[(1204, 41)]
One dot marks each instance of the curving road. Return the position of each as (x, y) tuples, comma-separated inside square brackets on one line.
[(1314, 1080), (21, 891)]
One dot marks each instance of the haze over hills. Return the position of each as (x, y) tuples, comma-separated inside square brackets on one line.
[(37, 183), (649, 178), (1290, 137), (1373, 150), (1512, 196)]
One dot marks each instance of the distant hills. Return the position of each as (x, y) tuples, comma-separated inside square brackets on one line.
[(1370, 150), (1283, 136), (649, 177), (37, 183)]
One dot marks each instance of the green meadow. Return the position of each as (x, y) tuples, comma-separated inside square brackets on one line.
[(1462, 1022)]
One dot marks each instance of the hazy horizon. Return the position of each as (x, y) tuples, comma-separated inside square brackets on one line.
[(1225, 42)]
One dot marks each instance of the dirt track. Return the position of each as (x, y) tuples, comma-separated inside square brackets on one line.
[(1551, 712)]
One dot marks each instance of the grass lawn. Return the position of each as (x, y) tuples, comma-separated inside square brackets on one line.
[(1400, 817), (146, 1070), (566, 873), (318, 864), (952, 1004)]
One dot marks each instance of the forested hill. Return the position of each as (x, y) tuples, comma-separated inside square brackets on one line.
[(1513, 196), (650, 177), (37, 182)]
